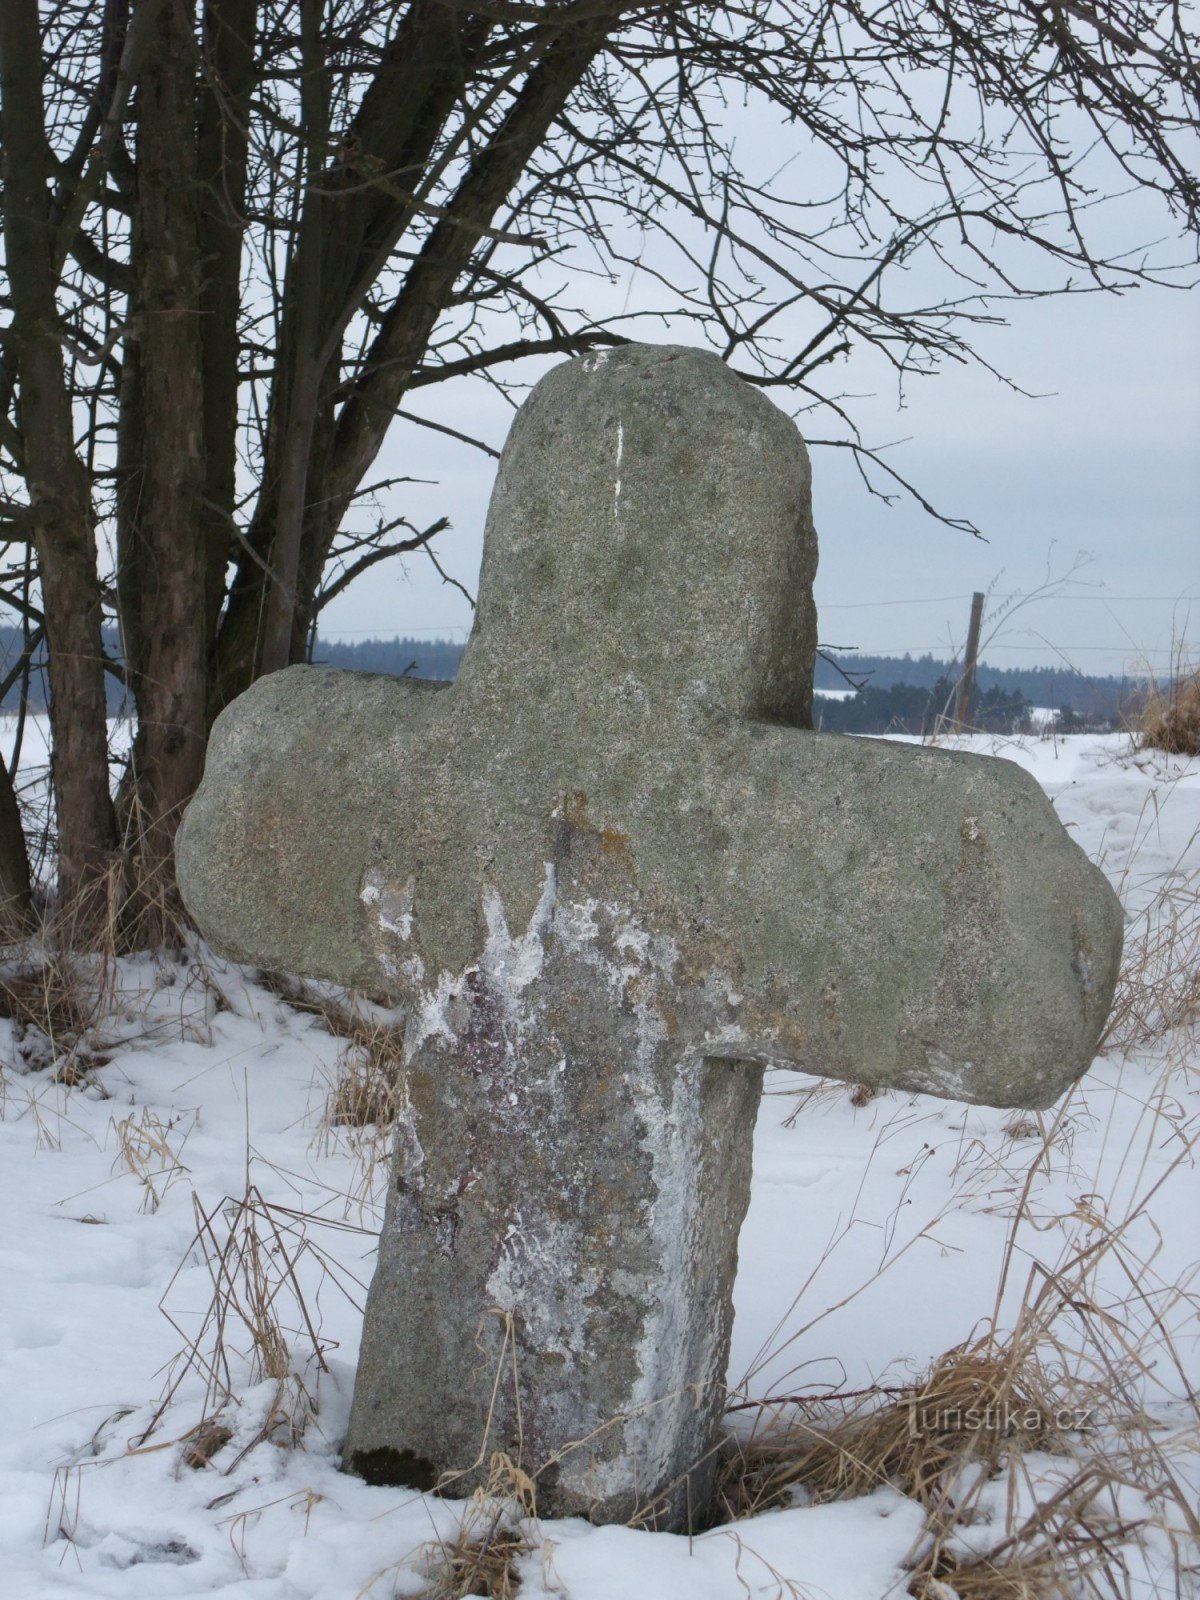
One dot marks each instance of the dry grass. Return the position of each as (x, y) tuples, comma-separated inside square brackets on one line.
[(207, 1440), (1067, 1547), (1080, 1359), (57, 1003), (257, 1318), (71, 999), (479, 1565), (918, 1439), (478, 1561), (970, 1441), (977, 1404), (145, 1150), (366, 1092), (494, 1532), (1169, 719), (60, 984), (1159, 987)]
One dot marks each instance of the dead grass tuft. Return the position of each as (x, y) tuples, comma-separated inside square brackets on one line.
[(1033, 1453), (1055, 1554), (61, 983), (1040, 1573), (977, 1405), (144, 1149), (481, 1558), (1035, 1578), (259, 1323), (365, 1094), (483, 1566), (56, 1003), (1159, 986), (1169, 719), (367, 1089)]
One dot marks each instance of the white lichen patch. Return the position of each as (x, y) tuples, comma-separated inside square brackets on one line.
[(633, 941), (575, 923), (508, 965), (729, 1041), (511, 964), (430, 1017), (409, 1154), (390, 911), (617, 479), (946, 1077), (392, 907), (539, 1275)]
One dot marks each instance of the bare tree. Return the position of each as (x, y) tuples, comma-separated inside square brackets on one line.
[(239, 234), (39, 438)]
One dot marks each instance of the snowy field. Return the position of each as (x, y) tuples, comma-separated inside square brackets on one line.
[(880, 1235)]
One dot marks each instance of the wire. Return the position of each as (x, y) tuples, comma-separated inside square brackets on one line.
[(1017, 594), (407, 633), (1066, 649)]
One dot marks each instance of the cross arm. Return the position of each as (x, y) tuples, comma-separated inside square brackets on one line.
[(904, 916), (271, 854)]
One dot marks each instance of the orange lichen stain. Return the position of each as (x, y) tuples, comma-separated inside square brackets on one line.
[(614, 842), (575, 808), (605, 849), (831, 1022), (702, 953), (794, 1041)]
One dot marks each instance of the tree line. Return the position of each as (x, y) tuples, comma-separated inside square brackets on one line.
[(908, 708), (1094, 697), (897, 693)]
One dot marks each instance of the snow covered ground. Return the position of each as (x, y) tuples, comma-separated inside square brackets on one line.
[(876, 1240)]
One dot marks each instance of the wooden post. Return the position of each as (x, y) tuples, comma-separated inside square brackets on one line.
[(967, 682)]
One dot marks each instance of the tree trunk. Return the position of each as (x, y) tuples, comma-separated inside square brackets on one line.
[(164, 569), (16, 897), (397, 126), (223, 120), (57, 483), (308, 361)]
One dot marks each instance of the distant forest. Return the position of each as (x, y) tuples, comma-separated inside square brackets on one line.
[(898, 690), (416, 658), (398, 658), (1040, 686)]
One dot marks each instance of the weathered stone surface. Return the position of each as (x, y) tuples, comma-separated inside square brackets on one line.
[(570, 1180), (612, 857)]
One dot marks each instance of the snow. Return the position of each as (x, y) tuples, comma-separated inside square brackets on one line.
[(876, 1240)]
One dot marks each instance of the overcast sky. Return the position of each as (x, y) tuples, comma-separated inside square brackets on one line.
[(1098, 477)]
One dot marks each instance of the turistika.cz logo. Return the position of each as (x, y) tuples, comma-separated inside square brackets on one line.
[(1003, 1420)]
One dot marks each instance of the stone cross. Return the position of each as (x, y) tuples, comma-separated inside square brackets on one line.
[(611, 873)]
